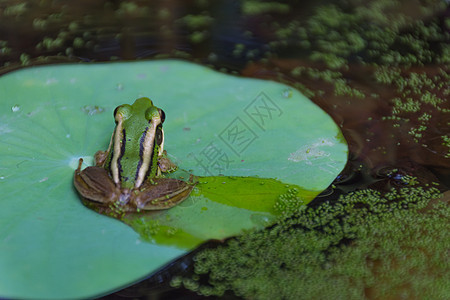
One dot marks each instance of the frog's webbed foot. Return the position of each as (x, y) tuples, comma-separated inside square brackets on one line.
[(94, 184), (161, 193)]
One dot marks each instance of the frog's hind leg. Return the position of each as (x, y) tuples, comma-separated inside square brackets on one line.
[(94, 184), (162, 193)]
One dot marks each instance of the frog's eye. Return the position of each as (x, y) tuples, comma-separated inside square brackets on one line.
[(151, 113), (122, 111), (159, 135), (115, 111), (162, 115)]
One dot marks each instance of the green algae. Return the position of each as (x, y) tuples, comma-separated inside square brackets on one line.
[(367, 244)]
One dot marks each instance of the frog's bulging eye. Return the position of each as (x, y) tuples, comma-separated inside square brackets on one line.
[(115, 113), (162, 115), (158, 135), (123, 110)]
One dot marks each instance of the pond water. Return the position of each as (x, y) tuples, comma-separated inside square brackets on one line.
[(379, 68)]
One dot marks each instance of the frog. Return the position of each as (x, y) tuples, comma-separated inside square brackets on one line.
[(129, 174)]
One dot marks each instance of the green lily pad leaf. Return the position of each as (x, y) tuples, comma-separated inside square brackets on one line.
[(256, 145)]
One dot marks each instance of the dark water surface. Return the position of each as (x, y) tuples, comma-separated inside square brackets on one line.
[(379, 69)]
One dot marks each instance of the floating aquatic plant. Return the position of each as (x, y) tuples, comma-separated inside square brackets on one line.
[(366, 245), (230, 131)]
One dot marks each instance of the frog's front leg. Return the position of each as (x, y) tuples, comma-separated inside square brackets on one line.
[(165, 165), (101, 156)]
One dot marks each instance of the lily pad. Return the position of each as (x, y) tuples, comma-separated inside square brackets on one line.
[(217, 126)]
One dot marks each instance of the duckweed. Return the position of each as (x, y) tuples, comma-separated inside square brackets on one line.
[(255, 7), (15, 10), (196, 22), (366, 244)]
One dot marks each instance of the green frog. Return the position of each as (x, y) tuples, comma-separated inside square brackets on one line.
[(128, 174)]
